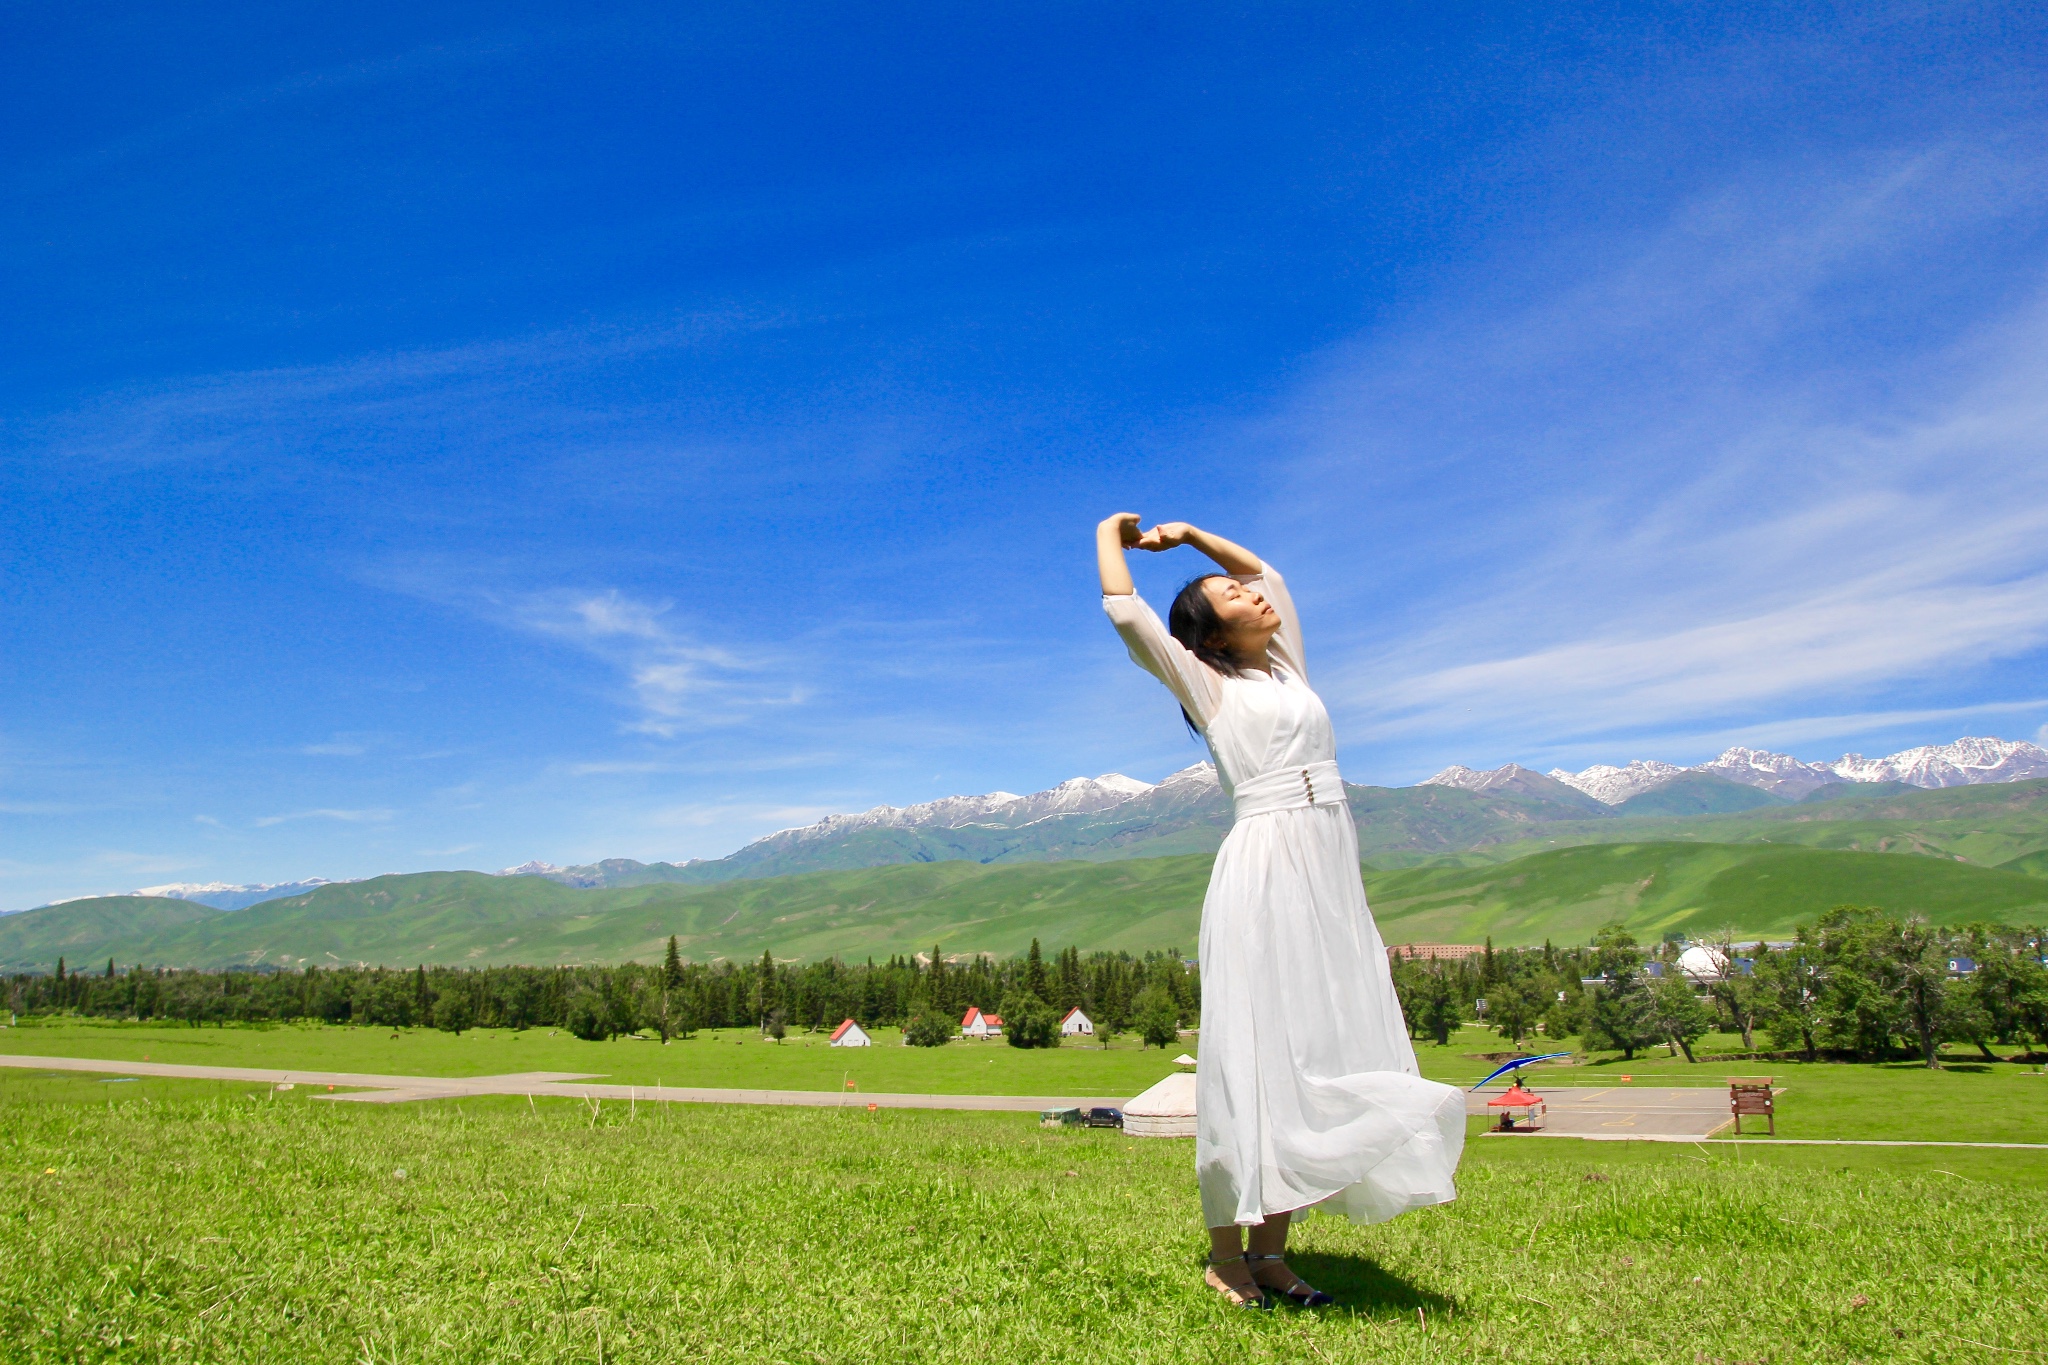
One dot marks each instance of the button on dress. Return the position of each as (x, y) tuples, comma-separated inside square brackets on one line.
[(1306, 1090)]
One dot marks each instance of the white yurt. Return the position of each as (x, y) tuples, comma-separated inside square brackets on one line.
[(1166, 1110)]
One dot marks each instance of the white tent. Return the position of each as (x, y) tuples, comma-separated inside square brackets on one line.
[(1166, 1110), (1703, 964)]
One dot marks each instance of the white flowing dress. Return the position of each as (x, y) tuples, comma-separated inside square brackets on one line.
[(1306, 1092)]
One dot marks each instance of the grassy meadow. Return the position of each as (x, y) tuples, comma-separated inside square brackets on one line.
[(715, 1058), (1969, 1100), (192, 1221)]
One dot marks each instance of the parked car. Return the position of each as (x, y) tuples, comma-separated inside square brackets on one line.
[(1105, 1118)]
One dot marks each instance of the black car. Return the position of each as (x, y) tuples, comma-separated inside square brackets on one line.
[(1104, 1118)]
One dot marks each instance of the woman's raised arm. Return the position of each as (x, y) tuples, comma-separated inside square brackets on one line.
[(1231, 557), (1112, 538)]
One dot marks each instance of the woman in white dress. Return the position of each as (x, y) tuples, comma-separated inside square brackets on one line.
[(1307, 1093)]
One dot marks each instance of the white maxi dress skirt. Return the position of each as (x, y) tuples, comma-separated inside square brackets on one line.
[(1306, 1093)]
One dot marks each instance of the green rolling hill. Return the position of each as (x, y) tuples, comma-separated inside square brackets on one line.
[(1696, 794), (1657, 888), (1560, 894), (473, 918), (2034, 864), (1988, 825), (84, 930)]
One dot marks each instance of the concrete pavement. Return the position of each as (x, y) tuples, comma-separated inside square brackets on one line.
[(366, 1088)]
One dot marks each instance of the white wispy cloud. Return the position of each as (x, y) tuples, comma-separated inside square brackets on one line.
[(676, 678), (316, 421), (1684, 494), (353, 817)]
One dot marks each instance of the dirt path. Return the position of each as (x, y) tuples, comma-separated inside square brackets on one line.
[(363, 1088)]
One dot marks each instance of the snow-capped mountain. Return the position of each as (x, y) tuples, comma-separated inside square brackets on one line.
[(1611, 786), (1113, 815), (1963, 763), (233, 895), (533, 868), (1511, 779), (1966, 762), (1081, 817), (1778, 774), (1004, 810)]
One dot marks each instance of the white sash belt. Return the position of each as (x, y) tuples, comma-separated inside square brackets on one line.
[(1314, 784)]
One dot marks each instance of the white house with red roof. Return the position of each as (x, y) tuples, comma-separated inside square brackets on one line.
[(975, 1024), (1076, 1022), (850, 1034)]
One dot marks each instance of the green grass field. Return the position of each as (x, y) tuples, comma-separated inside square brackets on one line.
[(187, 1221), (1968, 1101), (720, 1058)]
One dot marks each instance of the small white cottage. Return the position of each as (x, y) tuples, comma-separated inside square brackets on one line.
[(850, 1034), (975, 1024), (1076, 1022)]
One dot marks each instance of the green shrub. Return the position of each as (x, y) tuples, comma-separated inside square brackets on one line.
[(1029, 1022), (1156, 1018), (928, 1028)]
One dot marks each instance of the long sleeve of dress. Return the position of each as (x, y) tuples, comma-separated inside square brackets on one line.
[(1193, 683)]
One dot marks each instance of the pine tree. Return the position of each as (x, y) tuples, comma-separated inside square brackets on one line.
[(422, 1002), (1438, 1015), (671, 982), (110, 969), (766, 998), (935, 987), (1034, 971)]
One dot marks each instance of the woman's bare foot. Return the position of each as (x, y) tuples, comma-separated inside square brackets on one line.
[(1232, 1278)]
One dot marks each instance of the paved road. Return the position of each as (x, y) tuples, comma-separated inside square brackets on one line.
[(1616, 1115), (1625, 1111), (362, 1088)]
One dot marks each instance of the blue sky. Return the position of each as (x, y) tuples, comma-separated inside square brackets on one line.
[(446, 436)]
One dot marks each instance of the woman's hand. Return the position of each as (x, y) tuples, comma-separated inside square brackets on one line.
[(1166, 535), (1112, 537), (1125, 526)]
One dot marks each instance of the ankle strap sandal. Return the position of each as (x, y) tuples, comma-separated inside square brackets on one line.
[(1256, 1299), (1301, 1294)]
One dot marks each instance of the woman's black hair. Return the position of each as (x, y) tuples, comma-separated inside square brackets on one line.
[(1193, 621)]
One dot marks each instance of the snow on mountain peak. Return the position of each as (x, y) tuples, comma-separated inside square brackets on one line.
[(1968, 761), (1075, 796), (1778, 774), (1475, 780), (535, 868), (1611, 786), (234, 895)]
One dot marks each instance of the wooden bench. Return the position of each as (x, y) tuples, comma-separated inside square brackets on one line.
[(1752, 1098)]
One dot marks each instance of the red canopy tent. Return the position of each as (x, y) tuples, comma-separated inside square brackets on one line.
[(1516, 1098)]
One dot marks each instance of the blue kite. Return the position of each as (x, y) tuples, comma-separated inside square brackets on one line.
[(1526, 1061)]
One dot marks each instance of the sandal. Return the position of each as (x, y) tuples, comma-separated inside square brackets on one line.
[(1301, 1293), (1238, 1297)]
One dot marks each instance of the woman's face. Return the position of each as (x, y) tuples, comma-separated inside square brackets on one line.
[(1248, 619)]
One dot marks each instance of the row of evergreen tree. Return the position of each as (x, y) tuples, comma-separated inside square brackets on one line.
[(1118, 991), (1858, 983)]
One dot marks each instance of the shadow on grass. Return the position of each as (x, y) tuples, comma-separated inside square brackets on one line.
[(1365, 1288)]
